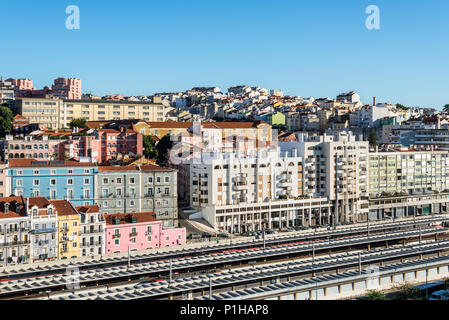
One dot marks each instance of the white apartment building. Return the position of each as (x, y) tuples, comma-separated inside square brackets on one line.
[(335, 167), (227, 180)]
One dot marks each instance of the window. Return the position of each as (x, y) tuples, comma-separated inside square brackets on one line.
[(105, 180), (131, 180), (52, 171), (158, 179), (36, 172), (19, 172), (116, 242), (105, 204), (52, 182), (131, 203), (53, 194), (167, 191), (150, 179), (119, 180), (70, 182), (150, 191), (86, 181), (69, 194), (19, 182), (36, 182), (119, 192), (167, 179), (132, 192), (69, 171), (86, 170)]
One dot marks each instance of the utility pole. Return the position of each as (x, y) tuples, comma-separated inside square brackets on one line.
[(427, 289), (313, 252), (210, 287), (263, 236), (171, 272), (360, 263), (367, 226), (419, 238)]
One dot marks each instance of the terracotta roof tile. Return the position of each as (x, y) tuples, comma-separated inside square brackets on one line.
[(88, 209), (125, 218), (63, 208), (18, 163)]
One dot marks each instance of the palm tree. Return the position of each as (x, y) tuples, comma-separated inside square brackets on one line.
[(446, 108)]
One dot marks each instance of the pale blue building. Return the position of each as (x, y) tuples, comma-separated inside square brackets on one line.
[(61, 180)]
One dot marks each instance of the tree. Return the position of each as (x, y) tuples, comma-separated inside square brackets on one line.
[(372, 137), (375, 295), (79, 123), (406, 291), (6, 119), (163, 146), (446, 108), (401, 106), (149, 148)]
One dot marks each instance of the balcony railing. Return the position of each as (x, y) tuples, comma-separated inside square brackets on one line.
[(46, 230), (94, 231), (115, 236), (133, 234), (14, 243)]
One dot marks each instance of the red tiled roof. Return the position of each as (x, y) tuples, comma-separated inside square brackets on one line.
[(63, 208), (18, 163), (117, 168), (154, 167), (125, 218), (12, 209), (88, 209), (40, 202)]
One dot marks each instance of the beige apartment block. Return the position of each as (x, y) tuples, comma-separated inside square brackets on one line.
[(56, 113)]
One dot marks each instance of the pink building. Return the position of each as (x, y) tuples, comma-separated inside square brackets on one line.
[(3, 180), (29, 148), (105, 145), (139, 231), (67, 88), (64, 88)]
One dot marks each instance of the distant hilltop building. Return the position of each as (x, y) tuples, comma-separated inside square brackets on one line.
[(350, 97), (64, 88)]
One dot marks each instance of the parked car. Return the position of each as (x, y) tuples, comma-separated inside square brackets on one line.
[(290, 230), (224, 235), (207, 235), (193, 236), (271, 232), (440, 295)]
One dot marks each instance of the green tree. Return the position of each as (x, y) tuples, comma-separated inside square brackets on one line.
[(6, 118), (375, 295), (149, 148), (401, 106), (446, 108), (79, 123), (405, 291), (372, 138), (163, 146)]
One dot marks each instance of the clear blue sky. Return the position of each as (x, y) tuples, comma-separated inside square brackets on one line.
[(305, 47)]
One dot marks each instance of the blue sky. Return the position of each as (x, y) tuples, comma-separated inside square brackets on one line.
[(305, 47)]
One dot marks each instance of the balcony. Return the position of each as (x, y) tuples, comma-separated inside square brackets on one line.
[(64, 229), (42, 242), (116, 236), (93, 231), (133, 234), (91, 244), (14, 243), (46, 230)]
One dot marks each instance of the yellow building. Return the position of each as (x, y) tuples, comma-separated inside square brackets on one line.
[(57, 113), (69, 228)]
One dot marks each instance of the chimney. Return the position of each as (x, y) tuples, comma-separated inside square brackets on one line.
[(374, 101), (6, 205)]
